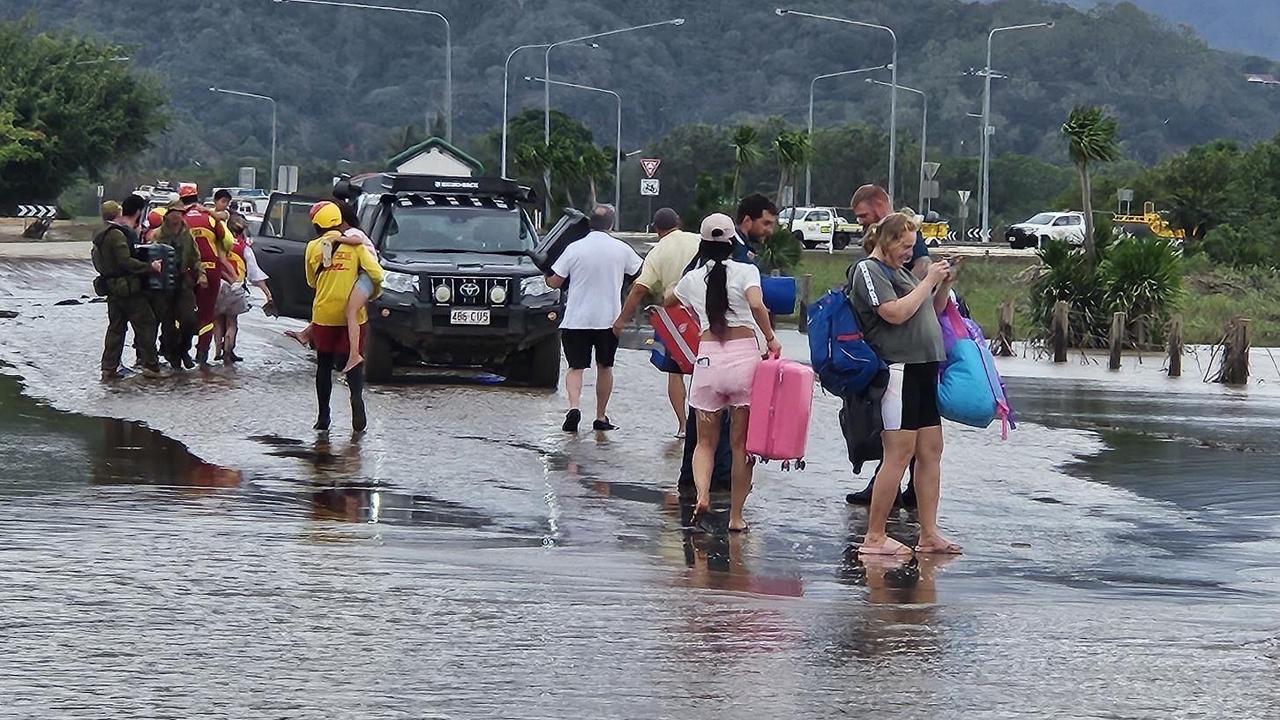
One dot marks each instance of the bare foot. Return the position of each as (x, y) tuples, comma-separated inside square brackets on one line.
[(303, 338), (885, 546), (352, 363), (738, 525), (938, 545)]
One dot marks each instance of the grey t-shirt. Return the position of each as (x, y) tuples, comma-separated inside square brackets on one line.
[(918, 340)]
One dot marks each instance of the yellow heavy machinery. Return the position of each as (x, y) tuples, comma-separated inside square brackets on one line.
[(1149, 222)]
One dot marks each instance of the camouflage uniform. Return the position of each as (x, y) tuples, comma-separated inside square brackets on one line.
[(124, 276)]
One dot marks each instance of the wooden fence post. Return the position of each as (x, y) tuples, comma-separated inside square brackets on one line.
[(1002, 345), (1235, 353), (1175, 347), (1060, 330), (802, 292), (1116, 342)]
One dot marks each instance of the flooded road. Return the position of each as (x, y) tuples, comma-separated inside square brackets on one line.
[(190, 548)]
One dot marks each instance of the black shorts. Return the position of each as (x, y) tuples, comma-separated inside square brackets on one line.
[(579, 344), (911, 400)]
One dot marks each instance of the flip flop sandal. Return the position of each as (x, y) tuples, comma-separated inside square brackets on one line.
[(948, 549), (890, 548)]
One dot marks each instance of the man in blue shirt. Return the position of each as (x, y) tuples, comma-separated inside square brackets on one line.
[(870, 205)]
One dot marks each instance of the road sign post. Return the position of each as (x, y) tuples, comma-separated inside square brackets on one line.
[(287, 179), (964, 211)]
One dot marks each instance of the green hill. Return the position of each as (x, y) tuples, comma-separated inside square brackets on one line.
[(344, 78)]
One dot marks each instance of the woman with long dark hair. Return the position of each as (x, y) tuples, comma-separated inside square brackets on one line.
[(725, 295)]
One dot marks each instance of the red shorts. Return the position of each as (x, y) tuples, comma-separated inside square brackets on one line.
[(332, 339)]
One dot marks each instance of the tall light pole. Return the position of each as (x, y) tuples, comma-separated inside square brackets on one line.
[(255, 96), (808, 165), (506, 70), (924, 132), (617, 148), (893, 96), (448, 51), (986, 125), (546, 86)]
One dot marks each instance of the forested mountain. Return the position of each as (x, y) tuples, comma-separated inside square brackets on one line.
[(1249, 26), (346, 79)]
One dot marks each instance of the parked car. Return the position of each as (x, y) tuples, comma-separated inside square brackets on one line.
[(1045, 227), (812, 226), (465, 273)]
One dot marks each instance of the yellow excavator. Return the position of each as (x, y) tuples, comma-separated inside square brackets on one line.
[(1149, 222)]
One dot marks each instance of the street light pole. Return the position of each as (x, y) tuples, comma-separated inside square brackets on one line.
[(893, 95), (448, 51), (546, 86), (924, 132), (255, 96), (506, 71), (986, 125), (808, 166), (617, 159)]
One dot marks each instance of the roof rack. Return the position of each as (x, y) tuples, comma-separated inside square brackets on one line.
[(437, 184)]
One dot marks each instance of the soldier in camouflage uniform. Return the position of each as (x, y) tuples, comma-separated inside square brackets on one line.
[(120, 279)]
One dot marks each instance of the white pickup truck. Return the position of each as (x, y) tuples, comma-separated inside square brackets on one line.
[(812, 226), (1046, 227)]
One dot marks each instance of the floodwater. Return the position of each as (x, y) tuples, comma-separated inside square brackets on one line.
[(190, 548)]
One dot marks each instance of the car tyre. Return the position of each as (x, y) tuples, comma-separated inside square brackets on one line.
[(808, 245), (544, 363), (378, 358), (841, 242)]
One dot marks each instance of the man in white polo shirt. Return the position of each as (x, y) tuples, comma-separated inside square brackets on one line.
[(594, 269)]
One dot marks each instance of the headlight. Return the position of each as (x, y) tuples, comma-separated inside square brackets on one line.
[(536, 285), (400, 282)]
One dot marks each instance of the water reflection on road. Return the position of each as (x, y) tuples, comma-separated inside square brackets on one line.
[(190, 548)]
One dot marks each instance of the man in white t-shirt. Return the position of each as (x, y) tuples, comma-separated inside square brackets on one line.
[(594, 268)]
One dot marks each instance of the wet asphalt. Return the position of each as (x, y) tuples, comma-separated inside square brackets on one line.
[(190, 548)]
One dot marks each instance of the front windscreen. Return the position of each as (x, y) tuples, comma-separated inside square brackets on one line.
[(1041, 219), (458, 229)]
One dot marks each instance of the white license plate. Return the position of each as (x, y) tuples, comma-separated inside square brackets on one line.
[(469, 317)]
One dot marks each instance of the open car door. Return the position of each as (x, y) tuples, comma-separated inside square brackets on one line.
[(572, 227), (280, 248)]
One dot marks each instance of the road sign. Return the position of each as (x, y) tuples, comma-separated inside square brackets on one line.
[(964, 196), (287, 179), (37, 211), (248, 177), (650, 166), (964, 210), (931, 169), (649, 186), (977, 234), (931, 189)]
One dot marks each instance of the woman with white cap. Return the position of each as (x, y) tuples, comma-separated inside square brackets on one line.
[(725, 295)]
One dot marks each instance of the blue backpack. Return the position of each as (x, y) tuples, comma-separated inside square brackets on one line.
[(841, 358)]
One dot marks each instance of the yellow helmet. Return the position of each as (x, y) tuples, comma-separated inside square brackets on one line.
[(326, 216)]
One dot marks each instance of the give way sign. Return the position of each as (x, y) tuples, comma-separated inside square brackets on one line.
[(650, 166)]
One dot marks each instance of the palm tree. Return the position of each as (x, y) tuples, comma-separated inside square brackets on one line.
[(1092, 138), (793, 149), (597, 167), (745, 142)]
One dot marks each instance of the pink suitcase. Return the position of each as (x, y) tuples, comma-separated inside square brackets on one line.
[(781, 399)]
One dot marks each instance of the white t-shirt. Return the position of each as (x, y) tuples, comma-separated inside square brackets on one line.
[(595, 267), (253, 272), (692, 292), (364, 239)]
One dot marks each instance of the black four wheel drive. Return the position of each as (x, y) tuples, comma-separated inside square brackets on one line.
[(464, 284)]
